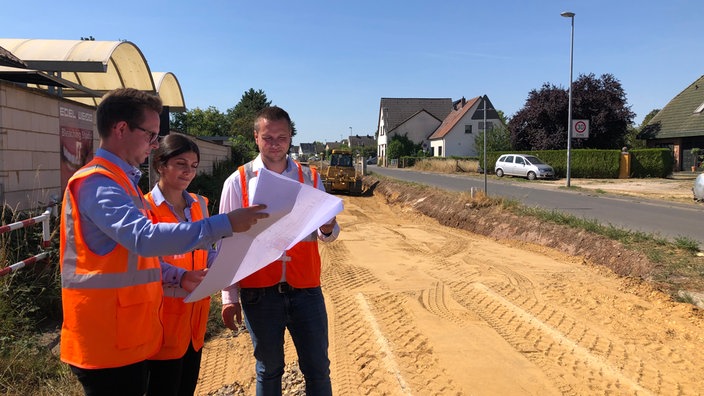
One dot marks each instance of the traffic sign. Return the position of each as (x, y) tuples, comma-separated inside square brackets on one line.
[(580, 129)]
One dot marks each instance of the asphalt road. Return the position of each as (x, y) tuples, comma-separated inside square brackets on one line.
[(664, 219)]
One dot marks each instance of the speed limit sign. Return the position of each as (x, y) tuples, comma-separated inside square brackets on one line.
[(580, 129)]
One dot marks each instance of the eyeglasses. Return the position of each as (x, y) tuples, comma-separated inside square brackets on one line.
[(153, 136)]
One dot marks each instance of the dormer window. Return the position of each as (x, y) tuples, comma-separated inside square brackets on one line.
[(699, 109)]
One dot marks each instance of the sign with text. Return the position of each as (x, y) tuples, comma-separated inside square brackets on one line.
[(580, 129), (75, 139)]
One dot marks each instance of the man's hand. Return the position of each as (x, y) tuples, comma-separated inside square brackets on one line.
[(329, 226), (243, 219), (191, 279), (232, 316)]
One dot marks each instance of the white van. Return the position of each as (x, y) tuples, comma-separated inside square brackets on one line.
[(528, 166)]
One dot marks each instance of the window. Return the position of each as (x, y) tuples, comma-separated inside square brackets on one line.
[(467, 129), (519, 160), (439, 151), (700, 108), (489, 125)]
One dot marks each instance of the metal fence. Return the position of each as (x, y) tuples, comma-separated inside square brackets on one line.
[(44, 219)]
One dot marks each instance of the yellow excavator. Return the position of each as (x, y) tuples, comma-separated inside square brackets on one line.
[(341, 175)]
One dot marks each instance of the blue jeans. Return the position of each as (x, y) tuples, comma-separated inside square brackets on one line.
[(268, 312)]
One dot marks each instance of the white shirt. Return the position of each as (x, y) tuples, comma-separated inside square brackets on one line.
[(231, 199)]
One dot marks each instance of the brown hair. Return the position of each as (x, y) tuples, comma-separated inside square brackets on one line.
[(171, 146), (124, 104), (273, 113)]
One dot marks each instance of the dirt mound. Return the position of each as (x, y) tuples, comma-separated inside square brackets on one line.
[(460, 211)]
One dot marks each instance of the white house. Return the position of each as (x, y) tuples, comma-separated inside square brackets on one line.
[(416, 118), (456, 135)]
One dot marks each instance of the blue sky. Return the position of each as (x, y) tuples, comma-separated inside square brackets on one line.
[(328, 63)]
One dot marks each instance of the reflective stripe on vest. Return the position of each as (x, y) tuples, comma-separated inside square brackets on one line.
[(70, 277)]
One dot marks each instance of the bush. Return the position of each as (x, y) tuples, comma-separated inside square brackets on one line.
[(604, 164), (657, 162), (210, 185)]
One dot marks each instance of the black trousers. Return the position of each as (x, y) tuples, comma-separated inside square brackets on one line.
[(128, 380), (175, 377)]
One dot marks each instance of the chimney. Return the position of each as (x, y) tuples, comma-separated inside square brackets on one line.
[(464, 101)]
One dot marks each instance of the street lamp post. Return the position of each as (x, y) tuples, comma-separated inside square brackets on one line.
[(570, 15), (485, 171)]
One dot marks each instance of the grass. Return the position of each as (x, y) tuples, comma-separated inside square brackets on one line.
[(677, 265), (447, 166), (30, 304)]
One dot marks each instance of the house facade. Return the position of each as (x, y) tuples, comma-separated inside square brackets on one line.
[(307, 150), (361, 142), (457, 133), (416, 118), (679, 126)]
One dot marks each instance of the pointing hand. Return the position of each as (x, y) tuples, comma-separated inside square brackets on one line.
[(243, 219)]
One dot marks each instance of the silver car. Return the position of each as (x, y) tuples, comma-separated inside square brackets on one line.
[(528, 166)]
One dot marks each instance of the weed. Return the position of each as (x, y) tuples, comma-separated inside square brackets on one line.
[(687, 244)]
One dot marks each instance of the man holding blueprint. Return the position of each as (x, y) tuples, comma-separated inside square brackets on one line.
[(285, 294)]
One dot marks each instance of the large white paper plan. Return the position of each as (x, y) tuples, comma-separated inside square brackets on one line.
[(295, 211)]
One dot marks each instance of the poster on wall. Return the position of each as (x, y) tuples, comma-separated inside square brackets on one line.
[(76, 139)]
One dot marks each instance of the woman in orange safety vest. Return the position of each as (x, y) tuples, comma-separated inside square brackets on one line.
[(174, 369)]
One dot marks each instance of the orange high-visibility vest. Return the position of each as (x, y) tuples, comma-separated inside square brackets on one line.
[(183, 323), (111, 302), (302, 261)]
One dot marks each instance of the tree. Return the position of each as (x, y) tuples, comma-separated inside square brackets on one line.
[(401, 146), (498, 138), (242, 116), (542, 123), (237, 121), (243, 149), (631, 137), (198, 122)]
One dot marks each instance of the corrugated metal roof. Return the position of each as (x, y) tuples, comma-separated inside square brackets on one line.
[(100, 66)]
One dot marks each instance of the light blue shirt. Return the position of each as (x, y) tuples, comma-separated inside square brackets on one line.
[(109, 217)]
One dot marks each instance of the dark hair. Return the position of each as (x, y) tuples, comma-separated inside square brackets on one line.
[(171, 146), (273, 113), (124, 104)]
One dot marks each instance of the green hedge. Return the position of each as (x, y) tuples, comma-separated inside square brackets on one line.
[(657, 162), (600, 164)]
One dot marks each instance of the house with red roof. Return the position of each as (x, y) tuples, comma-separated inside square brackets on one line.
[(457, 133)]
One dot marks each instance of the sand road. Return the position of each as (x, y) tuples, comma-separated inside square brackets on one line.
[(416, 308)]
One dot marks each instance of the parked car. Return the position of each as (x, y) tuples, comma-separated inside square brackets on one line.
[(372, 160), (698, 189), (528, 166)]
